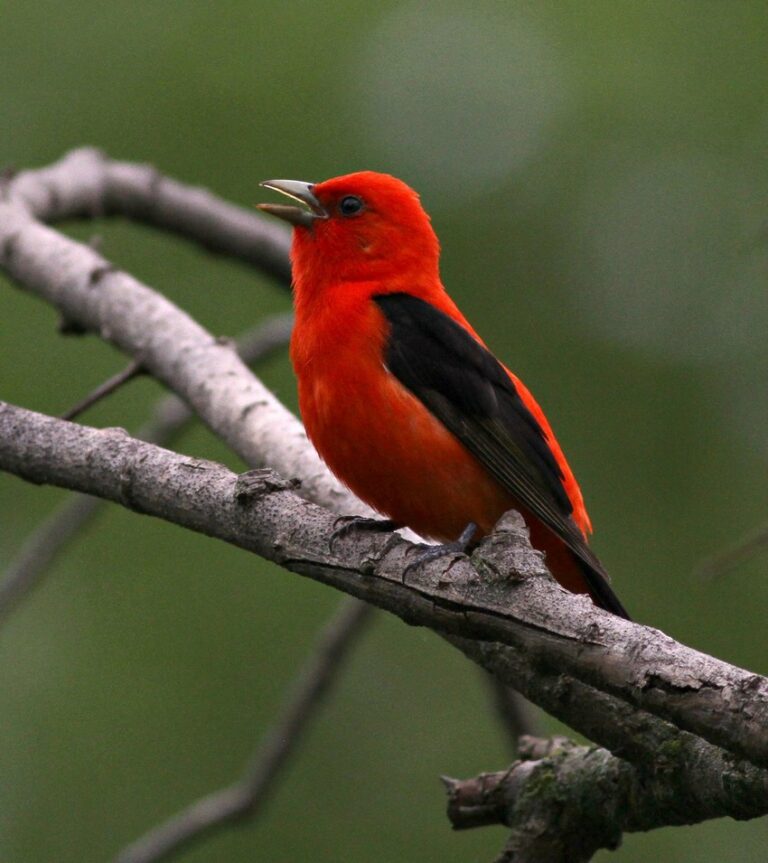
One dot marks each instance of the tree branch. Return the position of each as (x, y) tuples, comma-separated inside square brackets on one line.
[(87, 184), (244, 798), (509, 598), (625, 686), (206, 372), (169, 417), (132, 370), (513, 712), (235, 405), (563, 802), (744, 549), (42, 546)]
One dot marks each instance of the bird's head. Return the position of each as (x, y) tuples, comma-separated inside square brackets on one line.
[(357, 228)]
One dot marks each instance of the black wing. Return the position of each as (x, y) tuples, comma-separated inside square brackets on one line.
[(464, 386)]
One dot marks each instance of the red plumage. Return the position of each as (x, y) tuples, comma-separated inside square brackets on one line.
[(432, 448)]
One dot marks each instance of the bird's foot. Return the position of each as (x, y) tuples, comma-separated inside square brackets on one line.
[(435, 552), (349, 523)]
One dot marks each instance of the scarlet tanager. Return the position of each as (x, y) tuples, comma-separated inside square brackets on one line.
[(399, 394)]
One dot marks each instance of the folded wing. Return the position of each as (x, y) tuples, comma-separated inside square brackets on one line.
[(465, 387)]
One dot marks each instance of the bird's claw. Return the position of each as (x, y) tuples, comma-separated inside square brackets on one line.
[(446, 549), (349, 523)]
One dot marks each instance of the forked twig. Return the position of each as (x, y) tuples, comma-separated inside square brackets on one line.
[(169, 418), (244, 798), (131, 371)]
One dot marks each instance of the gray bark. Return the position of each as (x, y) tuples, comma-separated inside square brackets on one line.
[(87, 184), (503, 596), (505, 600), (605, 797), (169, 417), (91, 293), (693, 725)]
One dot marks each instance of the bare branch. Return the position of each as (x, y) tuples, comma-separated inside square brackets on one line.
[(243, 799), (235, 405), (563, 802), (132, 370), (170, 416), (42, 546), (619, 683), (514, 713), (509, 598), (747, 547), (87, 184), (265, 338), (203, 370)]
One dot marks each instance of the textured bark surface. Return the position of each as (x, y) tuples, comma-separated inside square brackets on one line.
[(169, 417), (95, 296), (507, 597), (563, 801), (87, 184), (689, 730)]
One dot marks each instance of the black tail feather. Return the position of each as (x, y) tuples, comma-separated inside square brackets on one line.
[(602, 592)]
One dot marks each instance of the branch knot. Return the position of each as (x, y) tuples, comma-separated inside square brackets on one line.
[(254, 484)]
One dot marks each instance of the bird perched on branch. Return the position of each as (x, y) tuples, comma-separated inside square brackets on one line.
[(400, 395)]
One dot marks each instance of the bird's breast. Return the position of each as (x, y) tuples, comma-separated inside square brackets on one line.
[(380, 440)]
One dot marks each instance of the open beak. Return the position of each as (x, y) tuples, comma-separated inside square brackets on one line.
[(299, 191)]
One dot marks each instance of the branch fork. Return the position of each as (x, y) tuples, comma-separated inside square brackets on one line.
[(682, 736)]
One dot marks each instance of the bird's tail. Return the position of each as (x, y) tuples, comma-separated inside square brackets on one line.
[(600, 590), (575, 574)]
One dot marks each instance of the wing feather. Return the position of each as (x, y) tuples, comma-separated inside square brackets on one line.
[(465, 387)]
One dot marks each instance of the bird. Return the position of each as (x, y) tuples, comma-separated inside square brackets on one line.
[(401, 397)]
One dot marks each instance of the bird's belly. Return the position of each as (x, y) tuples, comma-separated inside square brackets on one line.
[(393, 454)]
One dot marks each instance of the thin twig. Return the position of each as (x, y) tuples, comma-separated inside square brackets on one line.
[(244, 798), (726, 561), (131, 371), (41, 547), (513, 711), (169, 418)]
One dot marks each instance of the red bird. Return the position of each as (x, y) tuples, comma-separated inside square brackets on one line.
[(399, 394)]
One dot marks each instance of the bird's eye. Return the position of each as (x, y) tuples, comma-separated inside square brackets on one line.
[(350, 205)]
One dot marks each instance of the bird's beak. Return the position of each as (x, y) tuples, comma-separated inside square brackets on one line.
[(301, 192)]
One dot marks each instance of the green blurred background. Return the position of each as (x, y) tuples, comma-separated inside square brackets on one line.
[(597, 174)]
